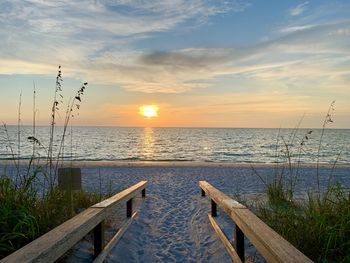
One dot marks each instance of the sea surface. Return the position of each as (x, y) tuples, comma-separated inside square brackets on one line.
[(239, 145)]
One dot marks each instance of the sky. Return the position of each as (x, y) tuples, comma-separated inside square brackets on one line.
[(204, 63)]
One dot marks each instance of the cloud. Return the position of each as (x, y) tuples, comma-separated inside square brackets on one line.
[(308, 54), (87, 36), (299, 9), (341, 32), (108, 18), (291, 29), (95, 41)]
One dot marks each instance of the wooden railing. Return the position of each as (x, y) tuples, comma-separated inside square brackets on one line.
[(52, 245), (271, 246)]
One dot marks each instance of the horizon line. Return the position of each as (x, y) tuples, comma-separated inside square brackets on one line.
[(181, 127)]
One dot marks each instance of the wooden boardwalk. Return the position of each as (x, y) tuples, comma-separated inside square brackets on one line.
[(52, 245), (272, 246), (55, 243)]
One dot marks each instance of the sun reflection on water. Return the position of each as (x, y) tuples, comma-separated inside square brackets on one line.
[(148, 142)]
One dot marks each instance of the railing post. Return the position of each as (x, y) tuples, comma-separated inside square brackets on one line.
[(99, 239), (129, 208), (203, 192), (143, 193), (239, 243), (213, 208)]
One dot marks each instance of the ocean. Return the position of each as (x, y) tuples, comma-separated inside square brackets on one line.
[(239, 145)]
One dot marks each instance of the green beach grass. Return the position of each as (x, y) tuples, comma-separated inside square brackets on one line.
[(26, 214), (319, 224)]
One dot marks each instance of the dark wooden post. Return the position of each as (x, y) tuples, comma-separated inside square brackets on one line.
[(203, 192), (239, 243), (213, 208), (129, 208), (99, 239), (143, 193)]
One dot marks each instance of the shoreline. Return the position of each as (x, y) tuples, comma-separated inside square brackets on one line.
[(105, 163)]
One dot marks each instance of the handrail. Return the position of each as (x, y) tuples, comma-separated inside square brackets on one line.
[(52, 245), (271, 245)]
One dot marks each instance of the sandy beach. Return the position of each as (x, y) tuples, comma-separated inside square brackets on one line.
[(172, 223)]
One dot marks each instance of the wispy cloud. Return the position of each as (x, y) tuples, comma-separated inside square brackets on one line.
[(108, 20), (95, 41), (295, 28), (308, 53), (341, 32), (89, 37), (299, 9), (305, 53)]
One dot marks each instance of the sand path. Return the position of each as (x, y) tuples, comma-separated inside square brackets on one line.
[(172, 223), (171, 226)]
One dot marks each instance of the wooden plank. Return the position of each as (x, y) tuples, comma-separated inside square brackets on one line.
[(114, 240), (50, 246), (55, 243), (214, 210), (129, 208), (218, 196), (231, 251), (122, 196), (99, 238), (239, 242), (272, 246)]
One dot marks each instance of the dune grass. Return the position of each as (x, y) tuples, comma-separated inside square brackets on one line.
[(26, 213), (318, 224), (25, 216)]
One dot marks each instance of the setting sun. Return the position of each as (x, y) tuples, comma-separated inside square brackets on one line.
[(149, 111)]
